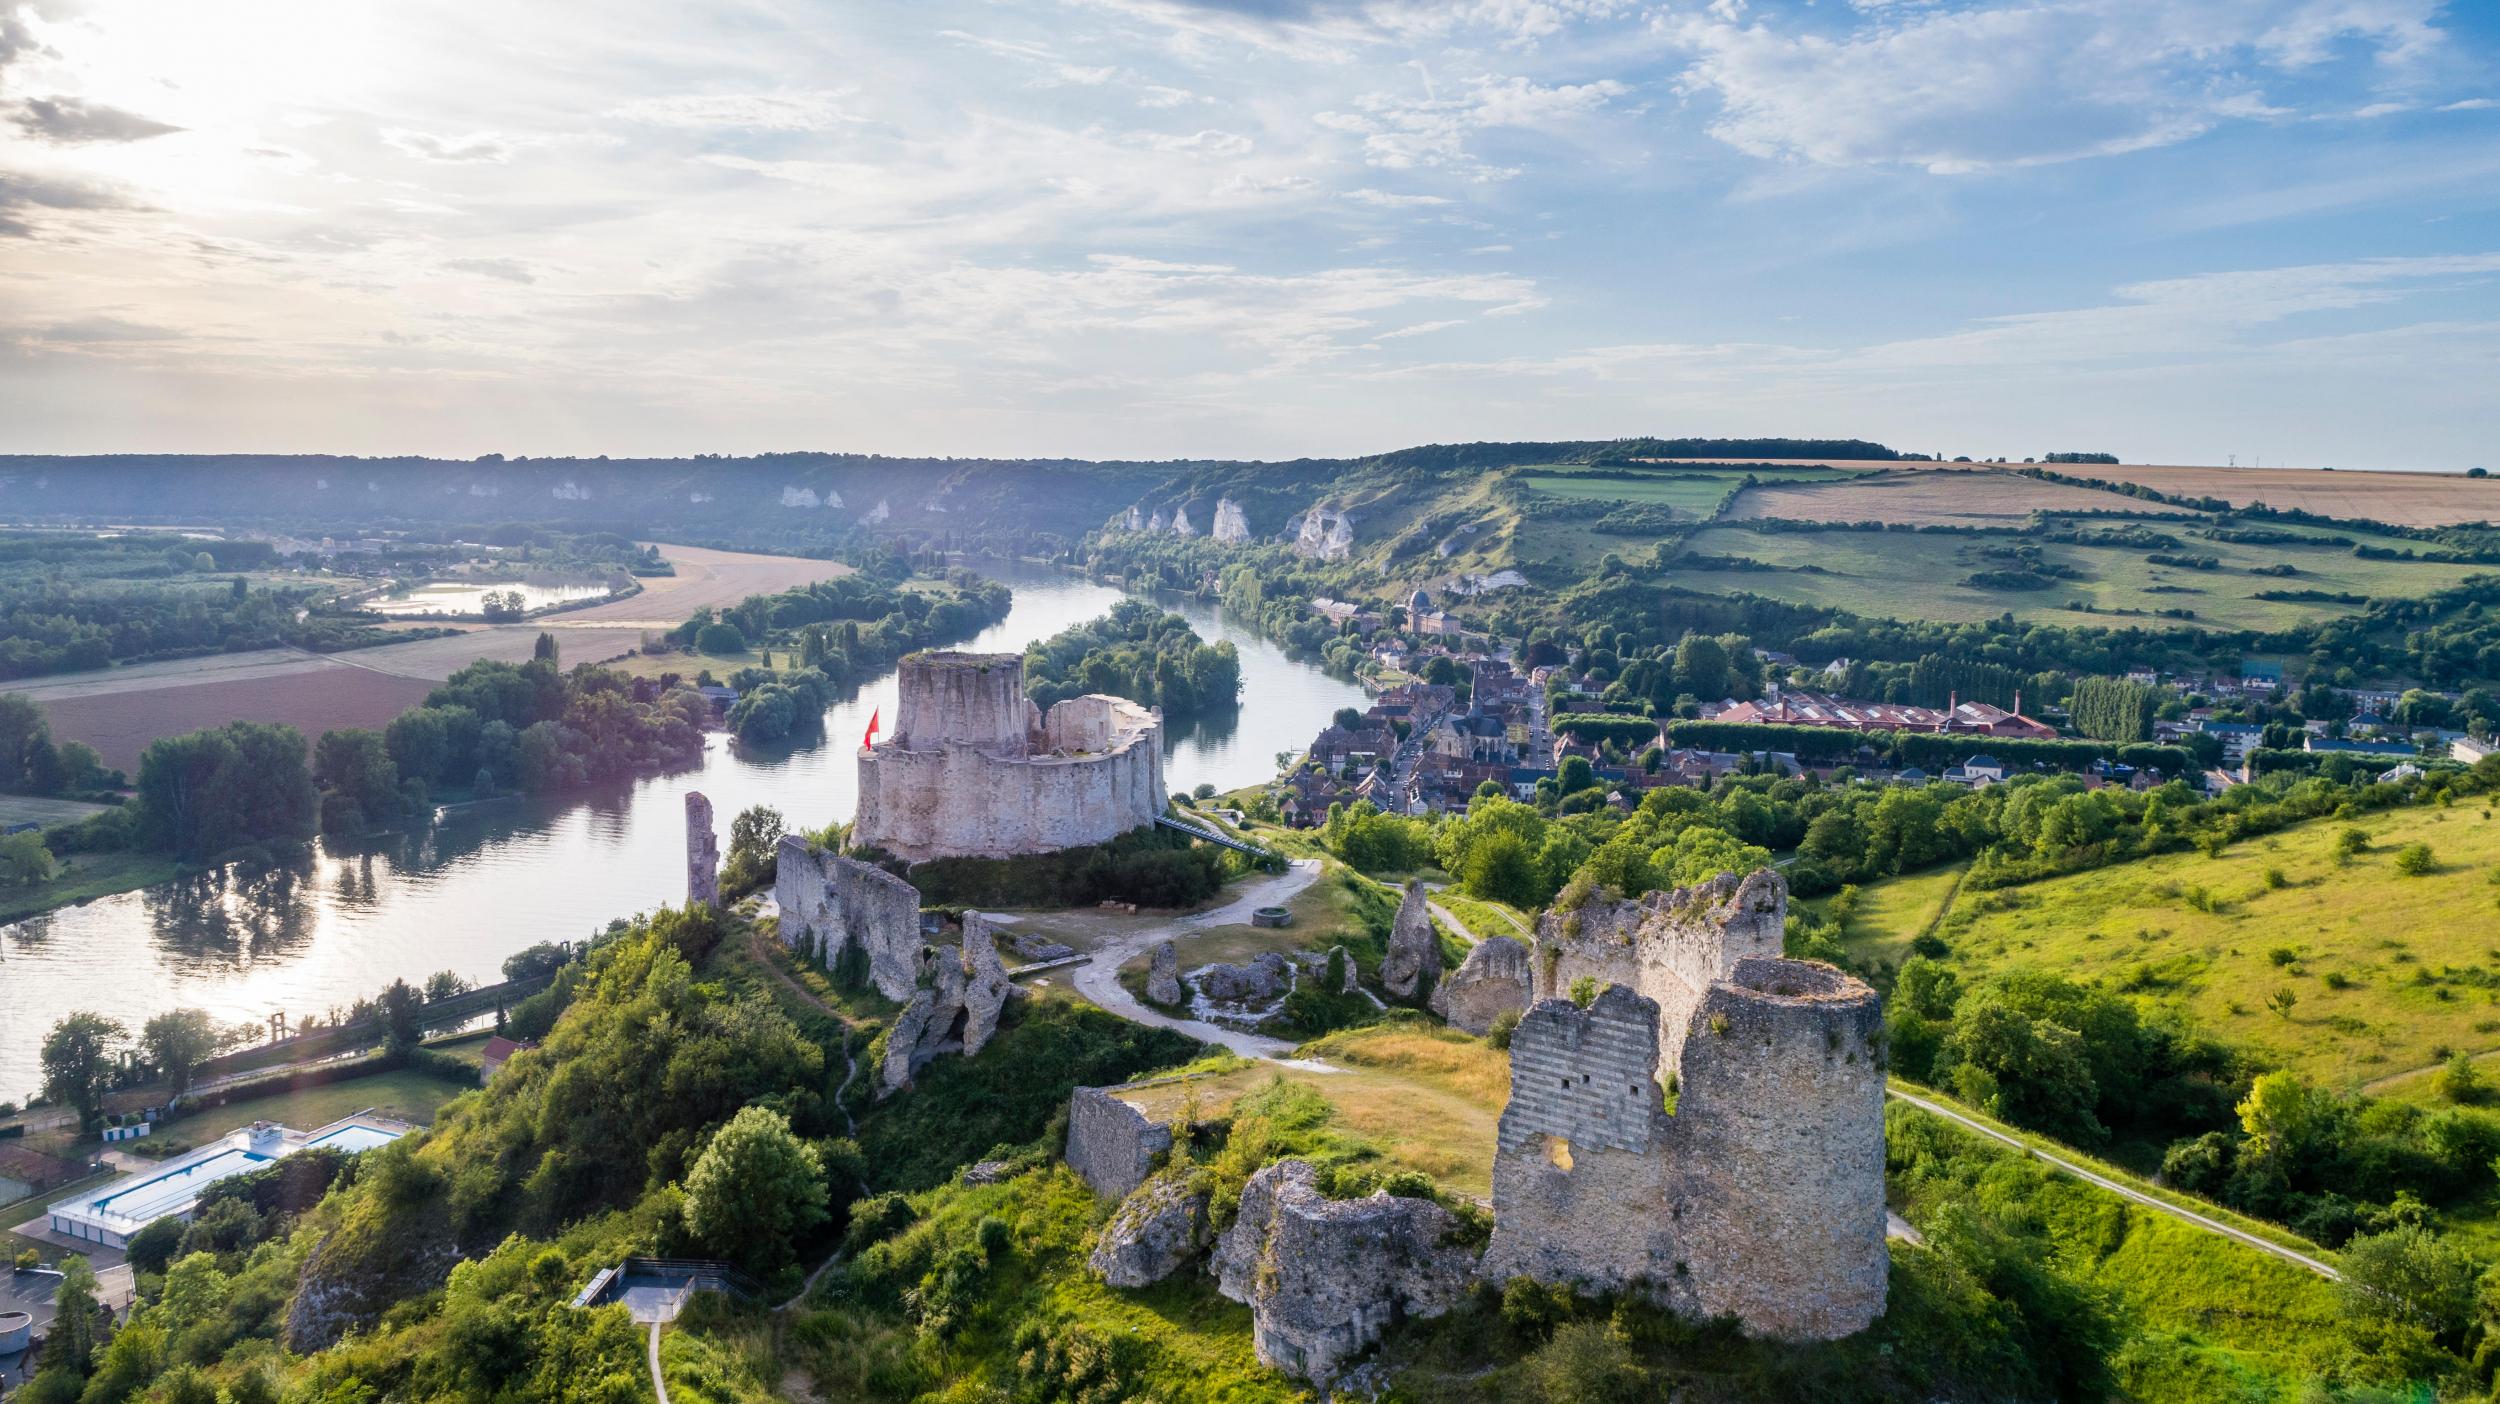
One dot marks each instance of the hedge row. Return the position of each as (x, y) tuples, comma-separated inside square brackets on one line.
[(1821, 743)]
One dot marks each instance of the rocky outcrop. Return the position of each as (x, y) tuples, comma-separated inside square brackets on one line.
[(1325, 534), (955, 1008), (1112, 1145), (1323, 1277), (1414, 961), (830, 904), (1156, 1231), (1180, 522), (1163, 981), (357, 1271), (1494, 979), (1232, 525)]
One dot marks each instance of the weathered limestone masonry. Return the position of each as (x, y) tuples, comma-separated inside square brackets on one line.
[(1324, 1277), (1111, 1144), (1414, 959), (702, 853), (1156, 1232), (1670, 946), (973, 769), (954, 1008), (829, 902), (1495, 979), (1762, 1195)]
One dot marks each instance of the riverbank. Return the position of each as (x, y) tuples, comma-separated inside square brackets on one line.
[(84, 877)]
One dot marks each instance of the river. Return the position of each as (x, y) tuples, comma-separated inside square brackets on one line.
[(486, 880)]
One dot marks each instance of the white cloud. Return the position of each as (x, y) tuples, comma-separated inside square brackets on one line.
[(800, 111), (1202, 143), (1158, 96), (1490, 249), (1402, 132), (2472, 105), (426, 146), (1387, 200), (2037, 81)]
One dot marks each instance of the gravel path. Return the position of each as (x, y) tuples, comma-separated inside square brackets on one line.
[(2159, 1206), (1099, 979)]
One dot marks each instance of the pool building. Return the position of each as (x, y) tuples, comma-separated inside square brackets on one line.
[(109, 1215)]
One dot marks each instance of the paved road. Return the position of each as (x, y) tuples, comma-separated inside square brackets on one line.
[(2188, 1216), (1099, 979), (659, 1385)]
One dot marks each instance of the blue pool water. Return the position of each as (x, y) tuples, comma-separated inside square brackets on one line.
[(353, 1139), (158, 1195)]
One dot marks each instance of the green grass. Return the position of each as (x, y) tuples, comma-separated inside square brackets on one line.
[(83, 877), (35, 809), (402, 1093), (2199, 1304), (1891, 914), (2417, 958), (1486, 919), (1904, 575)]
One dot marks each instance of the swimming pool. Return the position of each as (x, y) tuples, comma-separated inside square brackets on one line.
[(174, 1188), (352, 1138), (170, 1191)]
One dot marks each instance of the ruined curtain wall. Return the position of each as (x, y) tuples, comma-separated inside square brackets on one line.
[(959, 802)]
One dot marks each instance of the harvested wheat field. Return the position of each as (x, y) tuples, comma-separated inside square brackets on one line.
[(1915, 498), (2398, 499)]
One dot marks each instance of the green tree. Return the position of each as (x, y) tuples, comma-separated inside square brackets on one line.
[(721, 639), (24, 860), (359, 781), (175, 1043), (545, 649), (755, 1189), (1701, 667), (79, 1057), (1500, 867), (753, 836), (209, 791), (402, 1010), (2412, 1277)]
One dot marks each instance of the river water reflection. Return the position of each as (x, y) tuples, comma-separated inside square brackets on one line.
[(487, 880)]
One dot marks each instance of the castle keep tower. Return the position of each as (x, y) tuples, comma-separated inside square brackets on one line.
[(1761, 1195), (974, 769)]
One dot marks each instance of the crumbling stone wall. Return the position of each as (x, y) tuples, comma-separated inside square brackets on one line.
[(1762, 1195), (1670, 946), (1324, 1277), (1156, 1231), (1495, 979), (829, 902), (959, 994), (974, 770), (702, 853), (1111, 1144)]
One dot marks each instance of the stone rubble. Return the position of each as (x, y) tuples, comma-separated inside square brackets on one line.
[(1496, 978), (1163, 982), (1158, 1230), (1414, 959)]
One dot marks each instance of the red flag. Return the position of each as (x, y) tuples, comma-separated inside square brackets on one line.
[(871, 738)]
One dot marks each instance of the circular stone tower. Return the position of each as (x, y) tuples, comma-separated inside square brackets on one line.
[(963, 699)]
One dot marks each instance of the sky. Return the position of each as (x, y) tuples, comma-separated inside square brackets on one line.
[(2175, 230)]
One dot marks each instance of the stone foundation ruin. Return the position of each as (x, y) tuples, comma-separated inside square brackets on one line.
[(1112, 1146), (973, 769)]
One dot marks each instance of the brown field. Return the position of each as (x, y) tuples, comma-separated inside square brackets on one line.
[(120, 710), (331, 695), (2399, 499), (1930, 499)]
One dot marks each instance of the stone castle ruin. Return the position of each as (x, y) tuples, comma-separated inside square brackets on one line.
[(702, 853), (974, 769), (1708, 1133), (1760, 1195), (1495, 980), (848, 914)]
